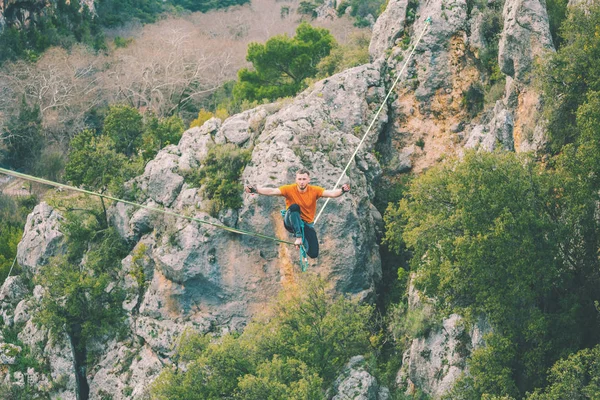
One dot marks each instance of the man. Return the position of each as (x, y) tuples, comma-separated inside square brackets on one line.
[(301, 206)]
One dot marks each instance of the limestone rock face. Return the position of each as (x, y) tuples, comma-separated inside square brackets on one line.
[(388, 27), (356, 383), (319, 131), (526, 35), (435, 361), (41, 240)]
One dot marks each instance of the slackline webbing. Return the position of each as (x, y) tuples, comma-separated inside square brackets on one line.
[(153, 209), (427, 24)]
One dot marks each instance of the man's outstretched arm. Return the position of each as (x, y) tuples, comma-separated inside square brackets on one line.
[(265, 191), (337, 192)]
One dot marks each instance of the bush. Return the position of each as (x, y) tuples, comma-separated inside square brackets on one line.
[(219, 176)]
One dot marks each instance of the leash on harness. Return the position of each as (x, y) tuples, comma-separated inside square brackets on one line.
[(303, 255)]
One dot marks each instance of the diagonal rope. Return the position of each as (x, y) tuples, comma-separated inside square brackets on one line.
[(153, 209), (427, 24), (11, 268)]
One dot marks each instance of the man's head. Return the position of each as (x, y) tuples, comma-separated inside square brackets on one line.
[(302, 178)]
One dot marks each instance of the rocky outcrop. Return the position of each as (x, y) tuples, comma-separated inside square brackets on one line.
[(516, 123), (525, 37), (388, 27), (356, 383), (18, 307), (435, 361), (187, 275), (41, 239)]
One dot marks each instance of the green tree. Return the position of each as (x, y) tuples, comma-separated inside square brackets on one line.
[(576, 377), (23, 138), (281, 379), (79, 299), (159, 133), (569, 74), (124, 125), (93, 161), (557, 12), (494, 234), (282, 64), (94, 164)]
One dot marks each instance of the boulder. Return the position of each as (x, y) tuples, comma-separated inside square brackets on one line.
[(356, 383), (41, 239)]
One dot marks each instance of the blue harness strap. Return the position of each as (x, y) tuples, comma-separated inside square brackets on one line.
[(303, 256)]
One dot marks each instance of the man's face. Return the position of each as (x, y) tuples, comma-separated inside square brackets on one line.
[(302, 180)]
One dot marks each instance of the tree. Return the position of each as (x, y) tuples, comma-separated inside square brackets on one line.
[(124, 125), (282, 64), (291, 354), (569, 74), (167, 72), (95, 164), (159, 133), (79, 299), (494, 235), (64, 86), (22, 138), (576, 377)]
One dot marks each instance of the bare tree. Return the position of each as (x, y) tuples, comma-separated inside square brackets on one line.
[(64, 86), (166, 69)]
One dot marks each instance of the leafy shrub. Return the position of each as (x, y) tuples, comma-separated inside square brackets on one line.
[(219, 176), (159, 133), (342, 57), (204, 115)]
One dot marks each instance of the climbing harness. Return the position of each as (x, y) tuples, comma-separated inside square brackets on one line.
[(303, 253), (427, 24)]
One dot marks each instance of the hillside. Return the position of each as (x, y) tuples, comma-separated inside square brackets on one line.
[(461, 265)]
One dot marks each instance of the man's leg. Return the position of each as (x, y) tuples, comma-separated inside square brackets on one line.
[(310, 241), (292, 221)]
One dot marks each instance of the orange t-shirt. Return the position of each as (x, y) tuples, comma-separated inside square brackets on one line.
[(307, 200)]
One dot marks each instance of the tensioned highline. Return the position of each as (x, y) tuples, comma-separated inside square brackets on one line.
[(427, 23), (153, 209), (227, 228)]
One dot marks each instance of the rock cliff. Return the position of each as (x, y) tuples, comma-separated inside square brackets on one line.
[(200, 277)]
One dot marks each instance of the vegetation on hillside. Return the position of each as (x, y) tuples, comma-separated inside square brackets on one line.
[(513, 238), (282, 64), (294, 353), (68, 22)]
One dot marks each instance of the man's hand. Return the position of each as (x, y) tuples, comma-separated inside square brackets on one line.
[(297, 243), (345, 188), (251, 189)]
